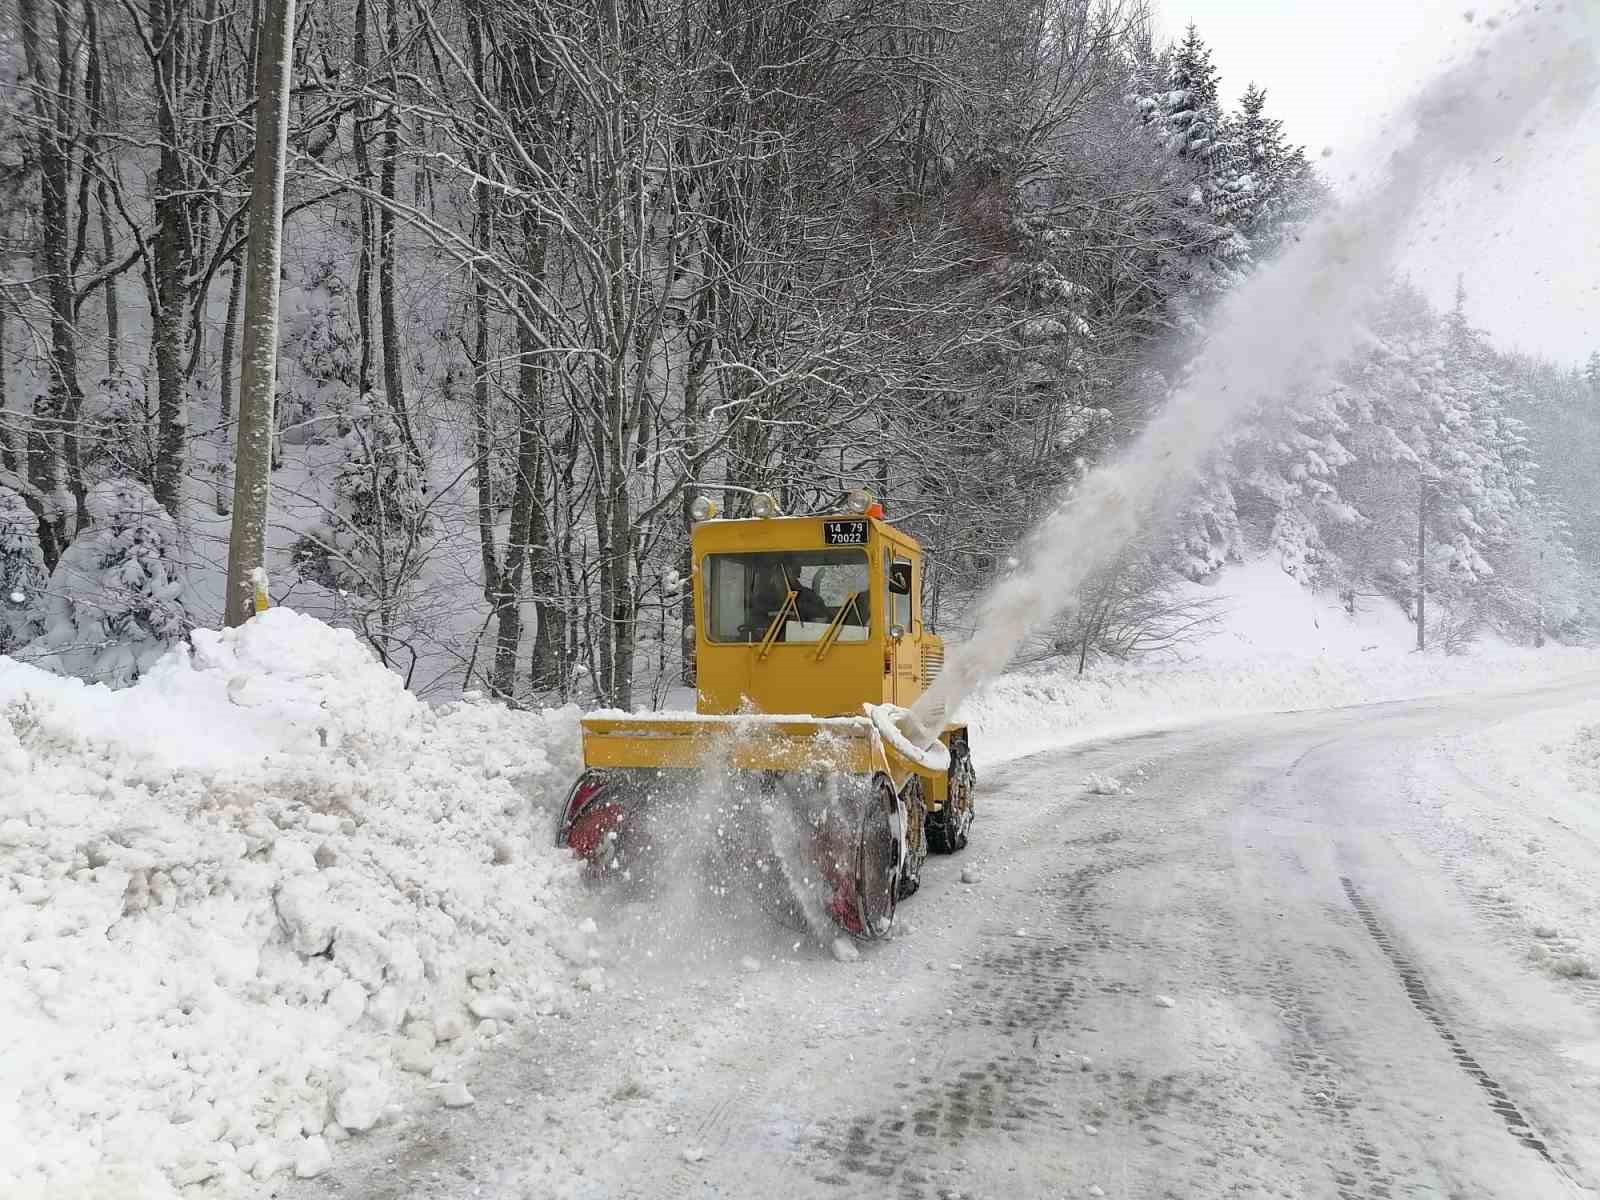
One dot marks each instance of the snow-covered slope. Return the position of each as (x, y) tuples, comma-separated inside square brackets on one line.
[(253, 902), (1276, 646)]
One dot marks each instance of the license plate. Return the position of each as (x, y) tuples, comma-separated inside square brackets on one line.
[(844, 533)]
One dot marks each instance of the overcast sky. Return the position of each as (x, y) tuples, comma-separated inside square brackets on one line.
[(1530, 253)]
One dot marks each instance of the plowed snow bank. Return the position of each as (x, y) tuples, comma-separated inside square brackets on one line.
[(252, 903), (1278, 646)]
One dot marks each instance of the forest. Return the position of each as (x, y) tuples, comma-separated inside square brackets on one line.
[(554, 269)]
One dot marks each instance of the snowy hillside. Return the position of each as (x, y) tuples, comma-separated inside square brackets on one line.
[(1275, 645)]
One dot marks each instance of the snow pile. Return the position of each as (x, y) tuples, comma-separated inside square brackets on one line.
[(1515, 813), (1027, 712), (887, 719), (1096, 783), (256, 902)]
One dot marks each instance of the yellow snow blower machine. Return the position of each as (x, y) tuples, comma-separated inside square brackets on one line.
[(795, 773)]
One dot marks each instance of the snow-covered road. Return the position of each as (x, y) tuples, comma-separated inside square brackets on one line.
[(1269, 966)]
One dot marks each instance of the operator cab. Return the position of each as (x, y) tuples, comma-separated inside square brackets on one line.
[(807, 614)]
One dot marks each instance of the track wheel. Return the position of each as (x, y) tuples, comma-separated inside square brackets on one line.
[(947, 828), (914, 809), (878, 860)]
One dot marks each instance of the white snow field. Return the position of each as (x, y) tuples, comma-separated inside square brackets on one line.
[(266, 901)]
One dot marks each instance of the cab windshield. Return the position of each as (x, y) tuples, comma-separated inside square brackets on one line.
[(746, 592)]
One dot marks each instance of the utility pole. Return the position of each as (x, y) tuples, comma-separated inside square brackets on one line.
[(252, 482), (1422, 570), (1538, 591)]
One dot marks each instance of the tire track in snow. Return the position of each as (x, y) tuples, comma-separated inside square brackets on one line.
[(1023, 984), (1411, 979), (1329, 1093)]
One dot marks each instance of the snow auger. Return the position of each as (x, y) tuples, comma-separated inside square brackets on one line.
[(800, 772)]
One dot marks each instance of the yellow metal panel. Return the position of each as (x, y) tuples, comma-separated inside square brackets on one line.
[(798, 745)]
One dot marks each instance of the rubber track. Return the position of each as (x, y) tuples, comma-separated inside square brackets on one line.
[(1411, 979)]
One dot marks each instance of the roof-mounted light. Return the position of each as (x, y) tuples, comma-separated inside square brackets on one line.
[(764, 505), (702, 508), (859, 501)]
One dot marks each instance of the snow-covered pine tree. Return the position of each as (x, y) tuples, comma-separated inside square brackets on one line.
[(1591, 373), (321, 348), (118, 439), (1490, 464), (1282, 189), (22, 574), (1190, 115), (1207, 533), (117, 600), (1287, 478), (369, 541), (1208, 250)]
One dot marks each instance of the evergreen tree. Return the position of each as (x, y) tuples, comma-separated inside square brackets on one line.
[(1212, 202), (1420, 425), (22, 574), (1281, 183), (369, 541), (1191, 115), (321, 350), (117, 599), (1591, 373)]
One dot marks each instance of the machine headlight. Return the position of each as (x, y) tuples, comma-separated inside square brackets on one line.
[(703, 508), (860, 500), (764, 506)]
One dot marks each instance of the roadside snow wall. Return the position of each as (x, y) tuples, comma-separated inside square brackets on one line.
[(1050, 707), (250, 905)]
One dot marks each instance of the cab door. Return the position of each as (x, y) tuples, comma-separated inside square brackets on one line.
[(900, 645)]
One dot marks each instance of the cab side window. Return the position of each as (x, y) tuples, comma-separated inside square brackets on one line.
[(900, 589)]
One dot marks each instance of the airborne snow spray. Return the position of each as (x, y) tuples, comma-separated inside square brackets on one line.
[(1287, 325)]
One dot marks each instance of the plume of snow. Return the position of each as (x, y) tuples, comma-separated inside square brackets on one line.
[(1288, 324)]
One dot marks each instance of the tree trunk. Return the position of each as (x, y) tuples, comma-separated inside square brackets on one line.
[(109, 292), (500, 577), (253, 467), (393, 374), (10, 459), (700, 349), (55, 421), (95, 86), (223, 483), (168, 288), (615, 525), (534, 529), (362, 137)]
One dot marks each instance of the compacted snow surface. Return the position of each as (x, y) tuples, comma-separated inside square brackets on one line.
[(256, 901)]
